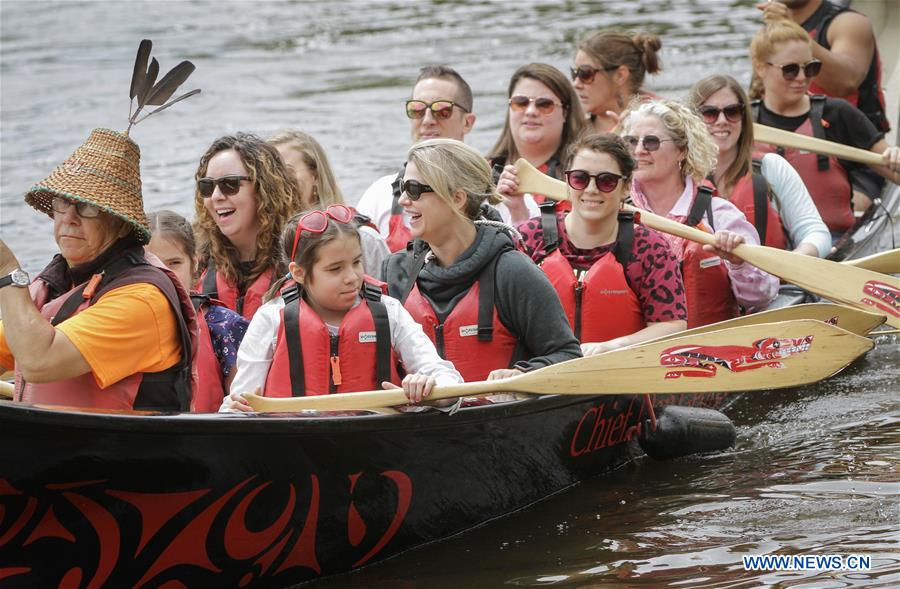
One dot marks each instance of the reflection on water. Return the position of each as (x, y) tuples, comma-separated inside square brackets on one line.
[(815, 470)]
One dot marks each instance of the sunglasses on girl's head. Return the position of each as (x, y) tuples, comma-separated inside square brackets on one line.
[(650, 142), (545, 106), (317, 222), (414, 189), (710, 114), (228, 185), (581, 179), (790, 71), (440, 109), (586, 73)]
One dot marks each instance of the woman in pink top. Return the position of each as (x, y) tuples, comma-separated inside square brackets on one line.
[(674, 154)]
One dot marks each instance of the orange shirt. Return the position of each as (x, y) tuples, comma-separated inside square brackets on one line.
[(128, 330)]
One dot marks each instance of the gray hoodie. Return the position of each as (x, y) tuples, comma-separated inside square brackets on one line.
[(525, 300)]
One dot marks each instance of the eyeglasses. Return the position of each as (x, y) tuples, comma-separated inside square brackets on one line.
[(581, 179), (790, 71), (650, 142), (317, 222), (228, 185), (83, 209), (545, 106), (440, 109), (586, 73), (732, 112), (414, 189)]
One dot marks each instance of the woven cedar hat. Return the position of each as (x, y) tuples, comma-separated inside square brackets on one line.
[(106, 170)]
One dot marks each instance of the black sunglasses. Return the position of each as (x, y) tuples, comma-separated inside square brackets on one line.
[(440, 109), (581, 179), (414, 189), (732, 112), (228, 185), (586, 73), (790, 71), (650, 142)]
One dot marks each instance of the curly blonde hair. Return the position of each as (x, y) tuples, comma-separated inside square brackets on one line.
[(277, 195), (448, 165), (686, 129)]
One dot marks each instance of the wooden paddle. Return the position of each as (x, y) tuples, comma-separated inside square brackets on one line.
[(754, 357), (7, 390), (856, 287), (782, 138), (853, 320), (885, 262)]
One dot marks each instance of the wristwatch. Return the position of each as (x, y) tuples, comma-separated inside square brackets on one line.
[(17, 277)]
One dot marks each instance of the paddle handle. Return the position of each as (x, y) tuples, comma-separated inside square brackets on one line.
[(7, 390), (374, 399), (782, 138), (536, 182)]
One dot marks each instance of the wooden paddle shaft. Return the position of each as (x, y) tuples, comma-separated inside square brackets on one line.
[(782, 138), (770, 355), (7, 390)]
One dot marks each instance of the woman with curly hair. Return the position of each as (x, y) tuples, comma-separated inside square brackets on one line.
[(244, 195), (674, 154)]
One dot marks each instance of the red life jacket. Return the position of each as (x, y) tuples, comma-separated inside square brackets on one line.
[(215, 286), (167, 390), (472, 336), (599, 303), (309, 361), (707, 286), (826, 179), (210, 386), (398, 233), (752, 195), (869, 96)]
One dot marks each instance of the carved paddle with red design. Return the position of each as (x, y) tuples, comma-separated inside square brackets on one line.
[(754, 357), (856, 287)]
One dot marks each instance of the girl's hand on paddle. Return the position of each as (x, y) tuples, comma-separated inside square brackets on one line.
[(415, 386), (508, 184), (726, 241), (236, 403), (503, 373)]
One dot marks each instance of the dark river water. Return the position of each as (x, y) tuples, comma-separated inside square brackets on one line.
[(815, 470)]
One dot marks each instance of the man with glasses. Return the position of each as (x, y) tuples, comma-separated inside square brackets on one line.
[(440, 106), (845, 44)]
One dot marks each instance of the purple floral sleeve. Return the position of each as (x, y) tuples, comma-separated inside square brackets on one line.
[(226, 329)]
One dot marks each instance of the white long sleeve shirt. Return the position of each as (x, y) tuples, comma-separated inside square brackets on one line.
[(413, 348)]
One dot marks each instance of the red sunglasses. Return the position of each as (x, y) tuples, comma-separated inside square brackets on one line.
[(317, 222)]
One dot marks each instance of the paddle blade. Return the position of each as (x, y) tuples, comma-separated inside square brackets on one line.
[(853, 320), (885, 262), (753, 357), (536, 182), (767, 356)]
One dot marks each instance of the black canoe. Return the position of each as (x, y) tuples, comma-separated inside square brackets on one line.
[(122, 500), (91, 499)]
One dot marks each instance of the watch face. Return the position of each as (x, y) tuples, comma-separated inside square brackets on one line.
[(20, 277)]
